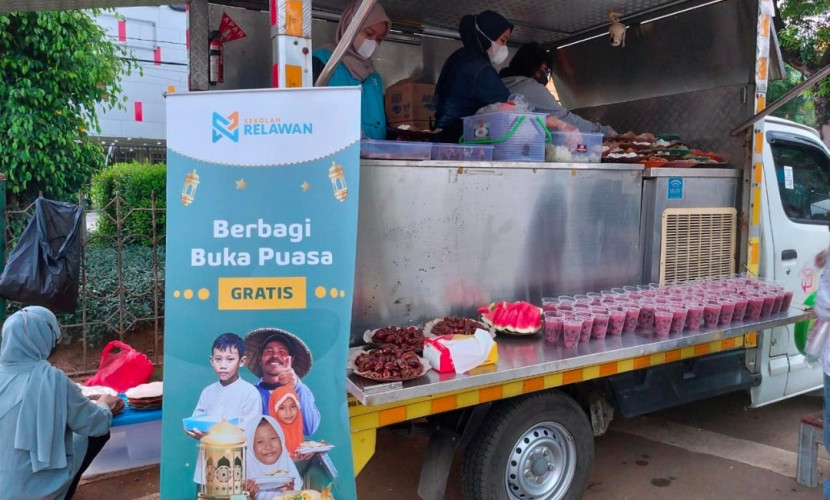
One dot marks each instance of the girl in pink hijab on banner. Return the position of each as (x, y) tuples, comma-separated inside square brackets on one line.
[(357, 68)]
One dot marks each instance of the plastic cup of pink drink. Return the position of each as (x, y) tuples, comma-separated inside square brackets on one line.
[(755, 305), (632, 317), (678, 321), (769, 303), (779, 301), (549, 304), (727, 310), (600, 327), (646, 318), (694, 316), (571, 330), (788, 299), (662, 321), (553, 326), (711, 314), (740, 307), (587, 326), (616, 321)]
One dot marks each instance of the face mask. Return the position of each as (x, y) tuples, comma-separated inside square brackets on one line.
[(367, 48), (497, 53)]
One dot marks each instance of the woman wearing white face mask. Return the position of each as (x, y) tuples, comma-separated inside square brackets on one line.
[(468, 79), (356, 68)]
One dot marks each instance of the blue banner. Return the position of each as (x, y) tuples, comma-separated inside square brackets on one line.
[(262, 197)]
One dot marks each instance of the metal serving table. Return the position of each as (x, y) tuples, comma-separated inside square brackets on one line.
[(528, 357)]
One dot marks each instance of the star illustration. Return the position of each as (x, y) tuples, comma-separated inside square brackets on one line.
[(305, 185), (241, 184)]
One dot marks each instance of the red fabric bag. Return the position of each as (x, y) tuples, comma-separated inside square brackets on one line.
[(122, 370)]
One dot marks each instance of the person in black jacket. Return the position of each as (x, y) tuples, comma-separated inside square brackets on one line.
[(468, 79)]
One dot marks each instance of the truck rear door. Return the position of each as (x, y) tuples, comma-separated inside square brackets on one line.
[(797, 180)]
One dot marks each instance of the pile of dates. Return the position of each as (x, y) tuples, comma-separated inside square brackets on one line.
[(389, 363), (408, 338), (454, 325)]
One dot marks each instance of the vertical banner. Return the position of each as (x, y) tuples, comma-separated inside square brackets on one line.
[(262, 191)]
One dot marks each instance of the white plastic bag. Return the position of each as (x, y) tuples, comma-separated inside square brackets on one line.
[(816, 341)]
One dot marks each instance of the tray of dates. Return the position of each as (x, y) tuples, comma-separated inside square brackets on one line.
[(388, 364), (455, 325), (408, 338)]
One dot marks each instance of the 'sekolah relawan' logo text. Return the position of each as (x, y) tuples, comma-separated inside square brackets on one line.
[(226, 126), (229, 126)]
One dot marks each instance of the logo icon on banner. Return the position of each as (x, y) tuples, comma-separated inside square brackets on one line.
[(226, 126)]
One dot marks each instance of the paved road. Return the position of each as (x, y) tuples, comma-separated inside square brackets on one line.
[(716, 449)]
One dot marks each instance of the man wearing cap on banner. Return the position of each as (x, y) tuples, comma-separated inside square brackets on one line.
[(279, 359)]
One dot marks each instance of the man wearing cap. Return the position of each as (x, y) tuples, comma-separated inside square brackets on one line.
[(280, 358)]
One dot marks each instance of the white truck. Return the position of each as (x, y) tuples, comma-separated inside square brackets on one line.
[(443, 238)]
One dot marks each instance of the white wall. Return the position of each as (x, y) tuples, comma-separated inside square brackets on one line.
[(147, 28)]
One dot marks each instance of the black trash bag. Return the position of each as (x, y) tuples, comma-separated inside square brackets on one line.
[(44, 267)]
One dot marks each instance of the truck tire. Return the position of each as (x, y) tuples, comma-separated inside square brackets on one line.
[(534, 447)]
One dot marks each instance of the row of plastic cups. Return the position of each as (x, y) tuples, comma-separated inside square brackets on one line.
[(664, 316), (581, 325)]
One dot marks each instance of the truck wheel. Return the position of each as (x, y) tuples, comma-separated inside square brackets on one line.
[(535, 447)]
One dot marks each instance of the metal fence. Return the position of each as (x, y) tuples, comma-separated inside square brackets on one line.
[(121, 292)]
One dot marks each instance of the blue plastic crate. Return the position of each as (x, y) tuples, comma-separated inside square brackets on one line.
[(515, 136), (395, 150), (462, 152)]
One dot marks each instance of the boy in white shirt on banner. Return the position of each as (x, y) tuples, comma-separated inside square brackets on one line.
[(231, 396)]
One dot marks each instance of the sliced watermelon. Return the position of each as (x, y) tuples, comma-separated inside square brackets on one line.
[(514, 317)]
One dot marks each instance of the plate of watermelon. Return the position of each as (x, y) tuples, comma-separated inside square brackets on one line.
[(512, 318)]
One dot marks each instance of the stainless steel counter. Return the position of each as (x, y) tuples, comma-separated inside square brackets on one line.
[(503, 165), (692, 172), (443, 238), (522, 357)]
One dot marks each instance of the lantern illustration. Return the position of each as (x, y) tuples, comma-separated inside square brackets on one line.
[(191, 182), (338, 181), (223, 457)]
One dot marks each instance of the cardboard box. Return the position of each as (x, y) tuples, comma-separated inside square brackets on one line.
[(411, 103), (440, 350)]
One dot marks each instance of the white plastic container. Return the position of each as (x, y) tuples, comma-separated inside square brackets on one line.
[(574, 147)]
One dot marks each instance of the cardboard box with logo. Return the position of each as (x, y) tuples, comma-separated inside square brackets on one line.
[(411, 103)]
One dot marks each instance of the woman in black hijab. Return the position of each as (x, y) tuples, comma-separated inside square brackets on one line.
[(468, 79)]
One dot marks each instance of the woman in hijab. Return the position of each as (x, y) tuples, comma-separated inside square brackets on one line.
[(51, 432), (268, 458), (468, 79), (528, 75), (356, 68)]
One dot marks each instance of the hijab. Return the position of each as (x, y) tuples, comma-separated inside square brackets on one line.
[(29, 335), (258, 469), (478, 31), (360, 67), (293, 431)]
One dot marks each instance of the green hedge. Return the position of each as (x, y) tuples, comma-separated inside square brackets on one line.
[(103, 300), (135, 183)]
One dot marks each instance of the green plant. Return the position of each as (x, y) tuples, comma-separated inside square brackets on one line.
[(55, 69), (125, 191)]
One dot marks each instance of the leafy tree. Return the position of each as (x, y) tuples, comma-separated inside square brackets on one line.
[(801, 108), (54, 68), (803, 28)]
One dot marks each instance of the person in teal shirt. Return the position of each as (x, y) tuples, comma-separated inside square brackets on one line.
[(356, 68)]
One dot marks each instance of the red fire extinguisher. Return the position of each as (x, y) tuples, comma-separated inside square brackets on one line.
[(216, 63)]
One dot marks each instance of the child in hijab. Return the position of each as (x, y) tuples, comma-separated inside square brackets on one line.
[(284, 406), (49, 428), (268, 458), (356, 68), (469, 81)]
